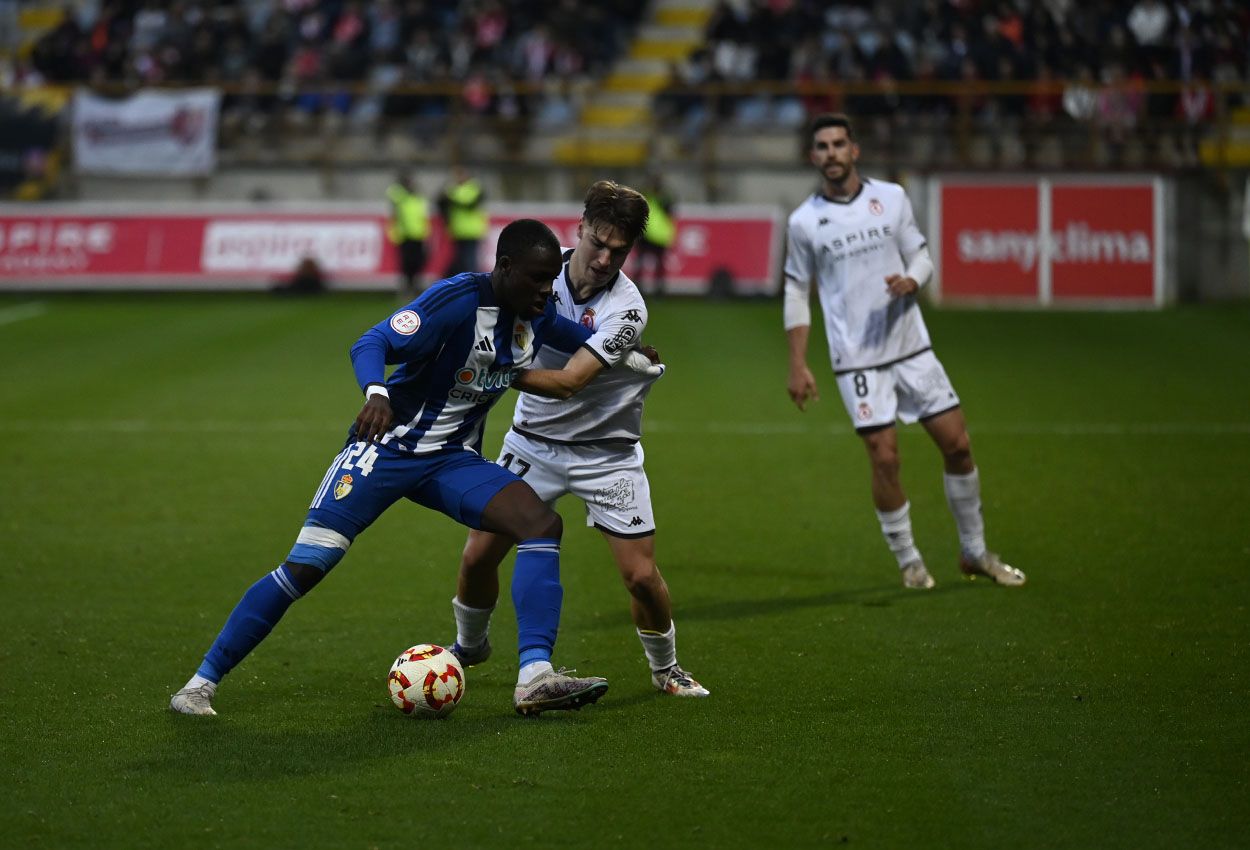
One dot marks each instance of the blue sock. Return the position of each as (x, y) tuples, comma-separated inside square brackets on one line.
[(249, 623), (537, 596)]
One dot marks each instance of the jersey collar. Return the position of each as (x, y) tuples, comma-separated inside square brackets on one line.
[(863, 181)]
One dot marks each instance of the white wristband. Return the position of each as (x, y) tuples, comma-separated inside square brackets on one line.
[(376, 389)]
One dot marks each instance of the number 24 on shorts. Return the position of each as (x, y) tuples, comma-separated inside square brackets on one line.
[(362, 456)]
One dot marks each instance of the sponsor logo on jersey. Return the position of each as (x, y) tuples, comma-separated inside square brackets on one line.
[(588, 318), (621, 340), (405, 322), (856, 238), (875, 207), (342, 487), (485, 379), (864, 411)]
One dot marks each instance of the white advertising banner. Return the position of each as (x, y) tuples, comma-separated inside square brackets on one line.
[(152, 133)]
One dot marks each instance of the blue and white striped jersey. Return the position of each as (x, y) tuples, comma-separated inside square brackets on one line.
[(457, 350)]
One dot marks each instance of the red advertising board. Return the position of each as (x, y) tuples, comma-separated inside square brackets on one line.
[(989, 241), (1102, 242), (90, 246), (1041, 241)]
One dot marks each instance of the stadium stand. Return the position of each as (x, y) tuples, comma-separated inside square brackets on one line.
[(936, 83)]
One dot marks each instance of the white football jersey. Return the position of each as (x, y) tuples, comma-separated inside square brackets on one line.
[(849, 248), (607, 411)]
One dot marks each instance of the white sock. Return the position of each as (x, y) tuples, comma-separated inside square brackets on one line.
[(896, 529), (963, 494), (197, 680), (661, 649), (532, 670), (472, 624)]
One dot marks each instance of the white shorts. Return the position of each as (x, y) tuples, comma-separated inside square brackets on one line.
[(910, 390), (611, 481)]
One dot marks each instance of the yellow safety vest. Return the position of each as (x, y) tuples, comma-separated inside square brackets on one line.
[(411, 219), (660, 227), (465, 217)]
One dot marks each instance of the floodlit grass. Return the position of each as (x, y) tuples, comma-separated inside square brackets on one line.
[(159, 452)]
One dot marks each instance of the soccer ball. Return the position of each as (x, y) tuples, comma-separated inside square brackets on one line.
[(426, 681)]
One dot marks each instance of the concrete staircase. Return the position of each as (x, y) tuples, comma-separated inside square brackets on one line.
[(615, 126)]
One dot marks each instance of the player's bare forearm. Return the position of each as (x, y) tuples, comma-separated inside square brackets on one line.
[(802, 383), (374, 419), (560, 383), (548, 383)]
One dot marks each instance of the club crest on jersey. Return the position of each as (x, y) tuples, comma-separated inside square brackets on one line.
[(520, 335), (875, 207), (405, 322), (864, 412), (342, 487), (588, 318)]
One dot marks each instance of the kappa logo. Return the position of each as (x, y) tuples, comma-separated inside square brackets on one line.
[(636, 521), (875, 207), (822, 222), (622, 340), (405, 322), (342, 487), (555, 296), (588, 318), (633, 316)]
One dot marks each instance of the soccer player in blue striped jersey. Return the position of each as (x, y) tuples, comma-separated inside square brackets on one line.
[(457, 348)]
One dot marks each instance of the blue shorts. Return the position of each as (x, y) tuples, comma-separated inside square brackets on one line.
[(366, 479)]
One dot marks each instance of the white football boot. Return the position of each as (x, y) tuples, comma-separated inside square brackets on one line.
[(991, 566), (194, 700), (678, 682), (915, 576)]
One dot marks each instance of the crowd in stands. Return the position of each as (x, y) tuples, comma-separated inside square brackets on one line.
[(1102, 62), (341, 56)]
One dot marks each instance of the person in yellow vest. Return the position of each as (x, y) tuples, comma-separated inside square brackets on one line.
[(464, 216), (652, 248), (409, 228)]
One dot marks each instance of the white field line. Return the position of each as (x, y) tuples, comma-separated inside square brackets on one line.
[(737, 429), (19, 312)]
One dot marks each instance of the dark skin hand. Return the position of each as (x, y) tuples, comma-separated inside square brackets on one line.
[(374, 419)]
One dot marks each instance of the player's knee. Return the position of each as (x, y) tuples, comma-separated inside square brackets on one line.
[(547, 524), (643, 581), (958, 450), (886, 463), (318, 548), (304, 576)]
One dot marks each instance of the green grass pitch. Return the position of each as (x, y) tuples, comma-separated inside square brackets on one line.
[(158, 453)]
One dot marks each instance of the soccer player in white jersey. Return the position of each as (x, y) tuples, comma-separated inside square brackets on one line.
[(588, 445), (857, 238)]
